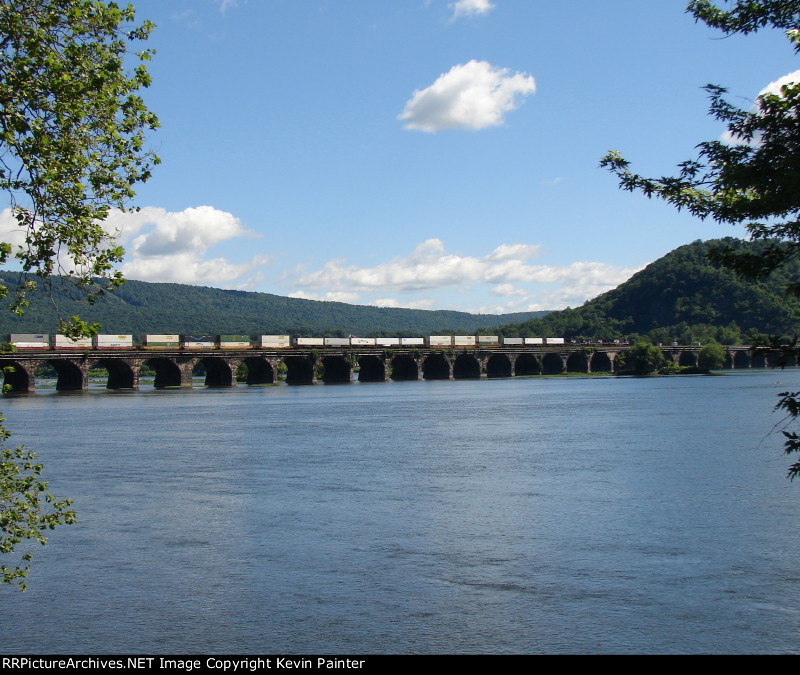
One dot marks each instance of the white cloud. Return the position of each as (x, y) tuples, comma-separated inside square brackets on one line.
[(10, 231), (472, 95), (515, 252), (470, 8), (168, 246), (503, 272), (775, 87), (507, 290)]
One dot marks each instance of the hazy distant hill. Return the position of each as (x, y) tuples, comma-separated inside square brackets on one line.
[(139, 307), (683, 297)]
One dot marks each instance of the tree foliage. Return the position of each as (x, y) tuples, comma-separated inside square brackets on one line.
[(711, 356), (751, 178), (26, 509), (643, 358), (72, 128)]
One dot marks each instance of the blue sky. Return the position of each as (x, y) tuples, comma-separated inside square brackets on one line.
[(425, 153)]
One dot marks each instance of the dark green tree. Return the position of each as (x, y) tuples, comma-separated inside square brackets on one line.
[(712, 356), (72, 128), (754, 179), (643, 358)]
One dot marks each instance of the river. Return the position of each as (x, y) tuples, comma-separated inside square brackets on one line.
[(541, 515)]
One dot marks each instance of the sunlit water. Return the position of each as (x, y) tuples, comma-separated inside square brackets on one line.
[(514, 516)]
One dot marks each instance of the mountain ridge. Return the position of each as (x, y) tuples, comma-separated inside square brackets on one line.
[(140, 307)]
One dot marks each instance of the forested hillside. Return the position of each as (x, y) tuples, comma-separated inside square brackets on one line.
[(138, 307), (682, 297)]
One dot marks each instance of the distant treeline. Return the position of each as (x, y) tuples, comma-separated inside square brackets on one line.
[(139, 308)]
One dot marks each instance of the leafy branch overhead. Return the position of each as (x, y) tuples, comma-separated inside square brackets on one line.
[(72, 132), (752, 177)]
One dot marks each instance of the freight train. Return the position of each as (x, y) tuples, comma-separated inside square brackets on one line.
[(40, 341)]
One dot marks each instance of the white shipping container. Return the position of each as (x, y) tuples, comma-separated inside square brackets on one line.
[(310, 342), (440, 340), (148, 339), (387, 342), (64, 342), (237, 343), (360, 342), (554, 341), (113, 341), (464, 340), (488, 340), (512, 341), (29, 340), (275, 341), (534, 341), (337, 342), (29, 337), (412, 342)]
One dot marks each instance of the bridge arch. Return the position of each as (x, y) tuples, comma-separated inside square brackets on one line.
[(19, 376), (404, 367), (299, 370), (741, 359), (577, 362), (688, 358), (552, 364), (436, 367), (70, 375), (601, 363), (259, 371), (218, 371), (337, 368), (121, 374), (466, 367), (498, 365), (371, 368), (168, 373), (527, 364)]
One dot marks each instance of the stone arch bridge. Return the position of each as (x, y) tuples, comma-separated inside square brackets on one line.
[(176, 368)]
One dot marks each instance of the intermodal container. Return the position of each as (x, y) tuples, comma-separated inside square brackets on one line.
[(113, 341), (554, 341), (337, 342), (275, 342), (387, 342), (29, 340), (440, 340), (464, 340), (362, 342), (198, 341), (162, 341), (488, 340), (412, 342), (512, 341), (309, 342), (64, 342), (534, 341), (234, 341)]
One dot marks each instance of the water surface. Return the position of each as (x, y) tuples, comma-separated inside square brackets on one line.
[(558, 515)]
